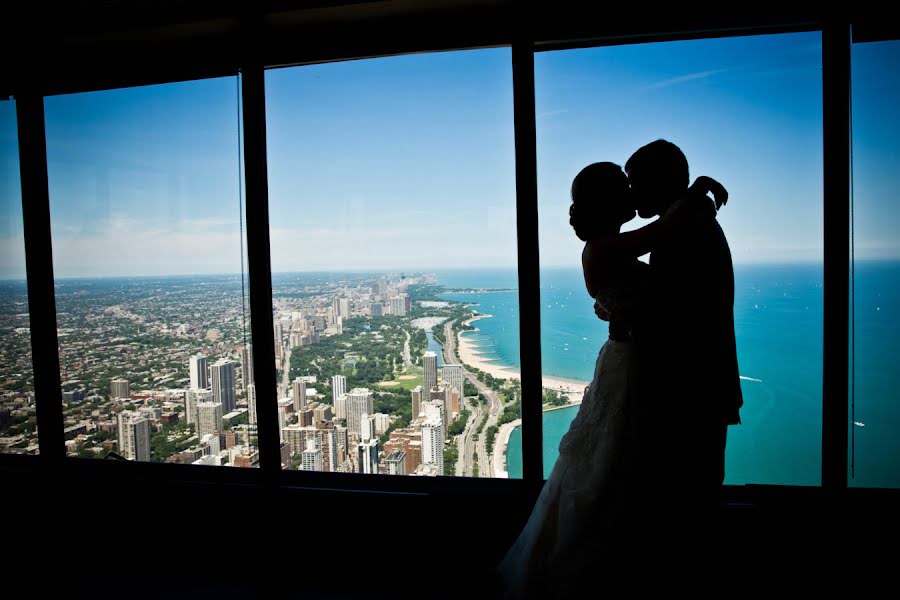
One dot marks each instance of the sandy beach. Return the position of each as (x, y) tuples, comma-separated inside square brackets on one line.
[(469, 354)]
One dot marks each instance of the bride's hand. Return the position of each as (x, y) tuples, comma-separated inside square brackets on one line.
[(707, 185)]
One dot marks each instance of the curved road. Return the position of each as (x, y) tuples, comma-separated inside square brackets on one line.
[(494, 409)]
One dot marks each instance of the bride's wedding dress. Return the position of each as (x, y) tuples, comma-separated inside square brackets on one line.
[(584, 495)]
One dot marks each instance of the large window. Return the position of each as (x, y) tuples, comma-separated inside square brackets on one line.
[(392, 218), (146, 203), (747, 111), (875, 414), (392, 215), (18, 420)]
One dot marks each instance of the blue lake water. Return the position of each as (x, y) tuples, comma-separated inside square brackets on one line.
[(778, 324)]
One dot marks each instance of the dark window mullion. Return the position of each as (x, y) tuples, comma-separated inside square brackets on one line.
[(253, 95), (39, 270), (528, 263), (836, 167)]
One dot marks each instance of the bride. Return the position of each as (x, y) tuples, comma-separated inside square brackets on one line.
[(581, 506)]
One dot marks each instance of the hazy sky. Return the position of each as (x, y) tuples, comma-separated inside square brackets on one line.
[(408, 162)]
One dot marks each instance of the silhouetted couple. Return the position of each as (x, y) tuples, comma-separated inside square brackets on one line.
[(640, 470)]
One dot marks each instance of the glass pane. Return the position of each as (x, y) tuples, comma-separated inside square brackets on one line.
[(746, 111), (146, 199), (392, 190), (18, 420), (875, 418)]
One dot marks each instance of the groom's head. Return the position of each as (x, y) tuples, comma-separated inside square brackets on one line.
[(658, 174)]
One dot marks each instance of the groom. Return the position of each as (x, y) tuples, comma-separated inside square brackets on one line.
[(689, 389)]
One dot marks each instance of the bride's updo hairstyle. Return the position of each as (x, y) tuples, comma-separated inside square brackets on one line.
[(600, 200)]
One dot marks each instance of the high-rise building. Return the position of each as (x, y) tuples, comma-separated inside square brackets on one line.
[(336, 307), (433, 444), (407, 303), (338, 387), (340, 325), (409, 441), (396, 462), (441, 394), (312, 456), (367, 427), (398, 306), (429, 361), (359, 402), (340, 407), (134, 436), (329, 315), (452, 376), (299, 394), (367, 457), (279, 332), (325, 437), (417, 400), (119, 388), (247, 365), (223, 384), (191, 399), (305, 417), (251, 402), (322, 413), (345, 308), (376, 309), (382, 423), (209, 418), (199, 374)]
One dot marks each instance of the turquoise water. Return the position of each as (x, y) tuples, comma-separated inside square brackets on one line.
[(778, 324)]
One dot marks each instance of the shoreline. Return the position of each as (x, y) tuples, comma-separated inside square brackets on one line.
[(468, 354)]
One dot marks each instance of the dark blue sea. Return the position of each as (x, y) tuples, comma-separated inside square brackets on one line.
[(778, 324)]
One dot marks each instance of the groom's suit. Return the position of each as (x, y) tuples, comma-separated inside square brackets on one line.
[(689, 388)]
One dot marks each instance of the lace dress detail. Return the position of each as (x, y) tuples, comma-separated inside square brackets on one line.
[(582, 498)]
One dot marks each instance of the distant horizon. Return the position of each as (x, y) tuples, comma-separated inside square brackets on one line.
[(437, 271)]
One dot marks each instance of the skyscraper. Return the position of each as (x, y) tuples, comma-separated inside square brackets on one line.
[(376, 309), (247, 365), (359, 403), (430, 363), (433, 444), (417, 400), (119, 388), (452, 376), (209, 418), (338, 387), (340, 325), (367, 457), (340, 407), (441, 394), (191, 399), (134, 436), (223, 384), (398, 306), (345, 308), (299, 395), (367, 427), (251, 401), (199, 376), (312, 456), (336, 307)]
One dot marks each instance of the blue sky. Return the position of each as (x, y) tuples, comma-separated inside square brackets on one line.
[(408, 162)]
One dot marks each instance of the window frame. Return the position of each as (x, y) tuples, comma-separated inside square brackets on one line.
[(251, 49)]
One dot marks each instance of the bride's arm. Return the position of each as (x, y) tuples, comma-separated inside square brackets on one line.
[(693, 205)]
